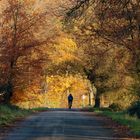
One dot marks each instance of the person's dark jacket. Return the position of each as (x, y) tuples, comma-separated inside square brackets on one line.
[(70, 98)]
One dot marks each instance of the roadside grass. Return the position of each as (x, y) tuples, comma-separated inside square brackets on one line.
[(39, 109), (10, 113), (123, 118)]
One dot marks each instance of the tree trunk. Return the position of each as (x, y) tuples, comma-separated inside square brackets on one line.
[(97, 102), (9, 92), (9, 88)]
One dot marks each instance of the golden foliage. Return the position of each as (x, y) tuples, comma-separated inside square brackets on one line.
[(64, 50), (29, 97), (59, 87)]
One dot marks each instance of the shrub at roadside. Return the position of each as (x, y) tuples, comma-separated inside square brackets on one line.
[(135, 109), (116, 107)]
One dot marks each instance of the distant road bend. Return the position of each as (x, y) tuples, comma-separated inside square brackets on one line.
[(62, 125)]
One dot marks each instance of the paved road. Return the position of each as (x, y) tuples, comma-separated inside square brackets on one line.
[(61, 125)]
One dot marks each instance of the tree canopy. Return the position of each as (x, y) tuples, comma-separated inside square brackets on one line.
[(49, 49)]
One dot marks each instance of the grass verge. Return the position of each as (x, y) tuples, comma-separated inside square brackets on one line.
[(10, 113), (39, 109), (120, 117), (123, 118)]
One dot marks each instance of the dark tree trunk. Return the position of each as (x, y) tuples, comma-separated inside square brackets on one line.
[(8, 93), (9, 88), (92, 78), (97, 102)]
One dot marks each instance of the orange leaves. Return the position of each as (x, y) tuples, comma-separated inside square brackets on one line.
[(64, 50), (29, 97)]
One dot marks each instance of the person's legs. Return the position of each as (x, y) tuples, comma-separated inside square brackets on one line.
[(70, 104)]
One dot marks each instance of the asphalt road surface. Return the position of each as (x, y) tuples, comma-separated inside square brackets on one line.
[(62, 125)]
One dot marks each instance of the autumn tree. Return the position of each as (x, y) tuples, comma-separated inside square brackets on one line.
[(96, 24), (114, 21), (20, 23), (119, 23)]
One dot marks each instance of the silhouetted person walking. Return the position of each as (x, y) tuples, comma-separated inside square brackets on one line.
[(70, 100)]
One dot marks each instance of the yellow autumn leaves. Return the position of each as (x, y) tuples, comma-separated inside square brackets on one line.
[(53, 88), (60, 86), (64, 50)]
